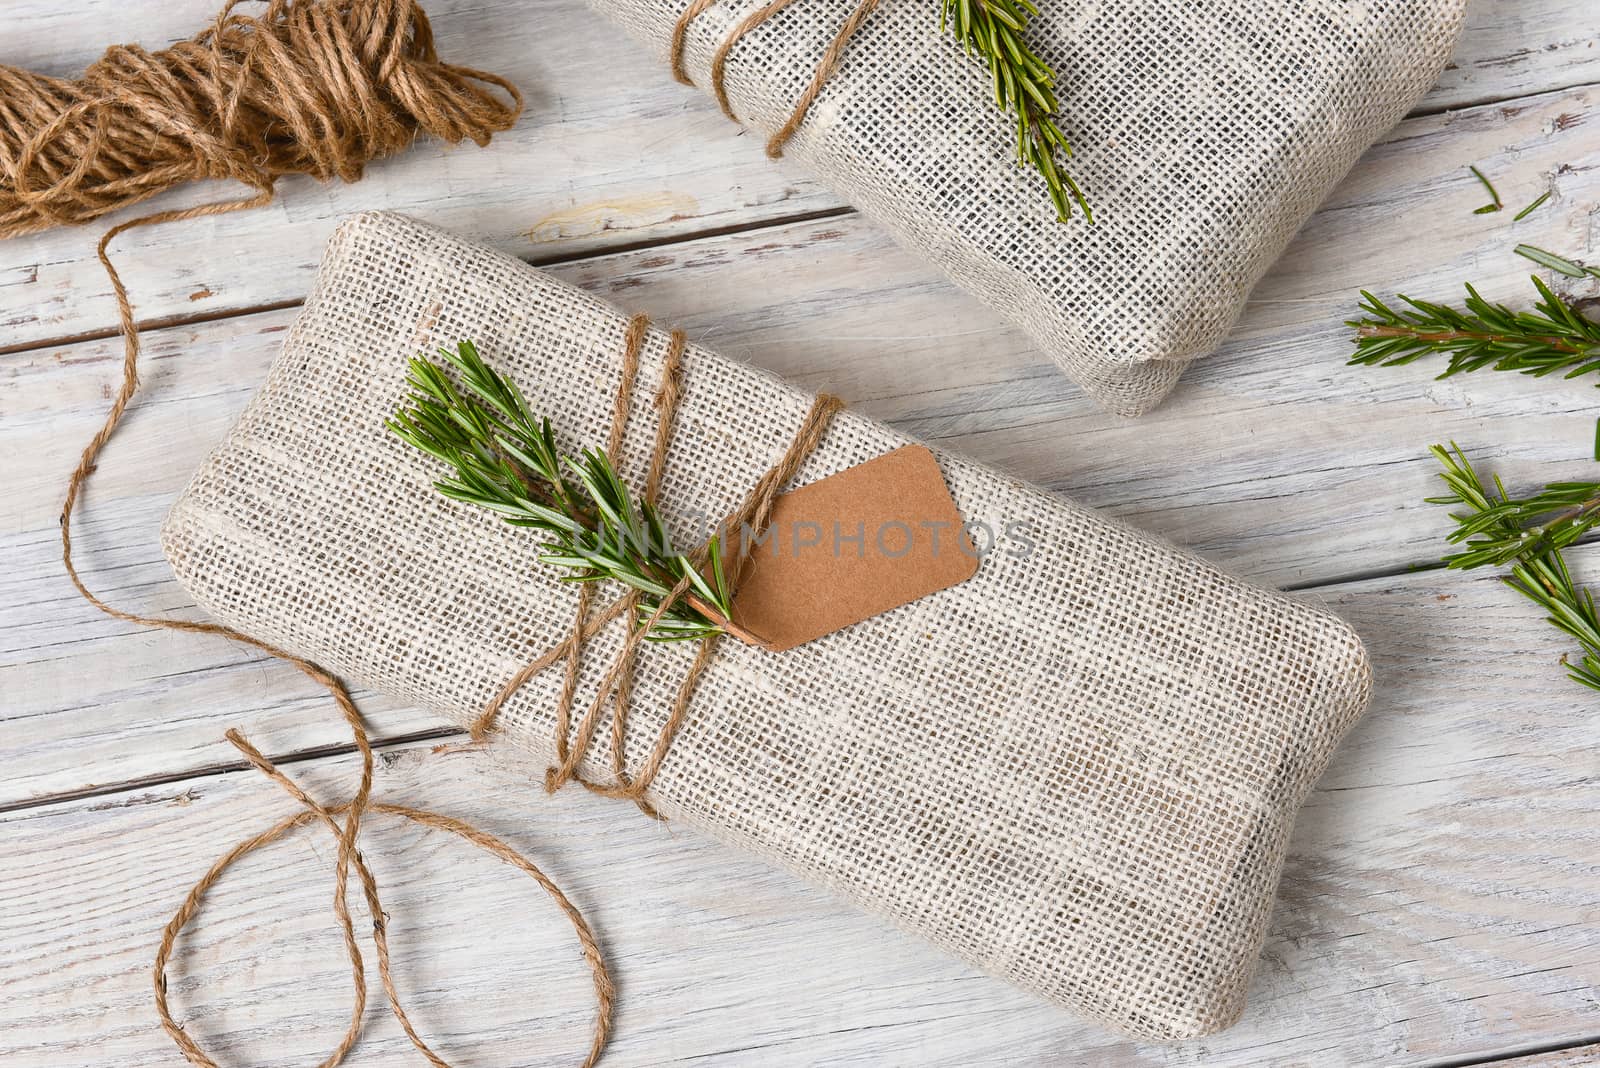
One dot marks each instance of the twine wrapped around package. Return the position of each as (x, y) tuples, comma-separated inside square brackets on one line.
[(1204, 135), (1076, 770)]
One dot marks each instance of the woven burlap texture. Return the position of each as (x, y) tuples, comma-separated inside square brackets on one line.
[(1204, 133), (1077, 770)]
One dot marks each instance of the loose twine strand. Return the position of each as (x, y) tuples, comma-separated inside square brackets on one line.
[(319, 87), (307, 87), (719, 60)]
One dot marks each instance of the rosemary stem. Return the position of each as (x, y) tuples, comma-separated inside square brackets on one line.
[(505, 459), (1552, 337), (1440, 336), (1567, 516)]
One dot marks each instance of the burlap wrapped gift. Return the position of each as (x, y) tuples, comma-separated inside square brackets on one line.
[(1204, 135), (1076, 770)]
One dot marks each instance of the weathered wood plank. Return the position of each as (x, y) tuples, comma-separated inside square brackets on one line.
[(1509, 50), (1273, 458), (612, 152), (1575, 1057), (1439, 901)]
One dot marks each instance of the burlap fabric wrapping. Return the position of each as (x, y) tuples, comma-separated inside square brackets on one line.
[(1205, 134), (1076, 770)]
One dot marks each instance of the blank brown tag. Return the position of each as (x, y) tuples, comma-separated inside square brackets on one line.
[(845, 548)]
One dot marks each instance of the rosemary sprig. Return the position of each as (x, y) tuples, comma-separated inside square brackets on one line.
[(1554, 337), (1529, 534), (1023, 87), (505, 459)]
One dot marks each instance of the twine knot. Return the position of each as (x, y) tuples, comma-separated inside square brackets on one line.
[(614, 688)]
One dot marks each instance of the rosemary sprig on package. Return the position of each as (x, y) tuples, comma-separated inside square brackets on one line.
[(1528, 533), (505, 459), (1023, 87), (1553, 337)]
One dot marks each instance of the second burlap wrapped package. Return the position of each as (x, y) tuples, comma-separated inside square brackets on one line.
[(1204, 135), (1077, 769)]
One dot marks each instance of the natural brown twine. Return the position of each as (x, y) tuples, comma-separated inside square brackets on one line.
[(318, 87), (753, 514), (719, 60), (308, 87)]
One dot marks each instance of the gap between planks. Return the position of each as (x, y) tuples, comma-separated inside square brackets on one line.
[(212, 771), (754, 226), (1584, 1051), (445, 733)]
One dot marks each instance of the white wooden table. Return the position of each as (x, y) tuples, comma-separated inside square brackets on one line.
[(1441, 905)]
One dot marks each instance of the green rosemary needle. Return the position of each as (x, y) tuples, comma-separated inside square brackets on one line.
[(505, 459), (1531, 208), (1528, 534), (1494, 196), (1553, 337), (1023, 87), (1545, 258)]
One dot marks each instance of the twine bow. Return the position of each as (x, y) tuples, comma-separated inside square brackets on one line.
[(349, 856)]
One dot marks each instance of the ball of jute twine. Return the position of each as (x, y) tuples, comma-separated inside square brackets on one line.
[(315, 87)]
